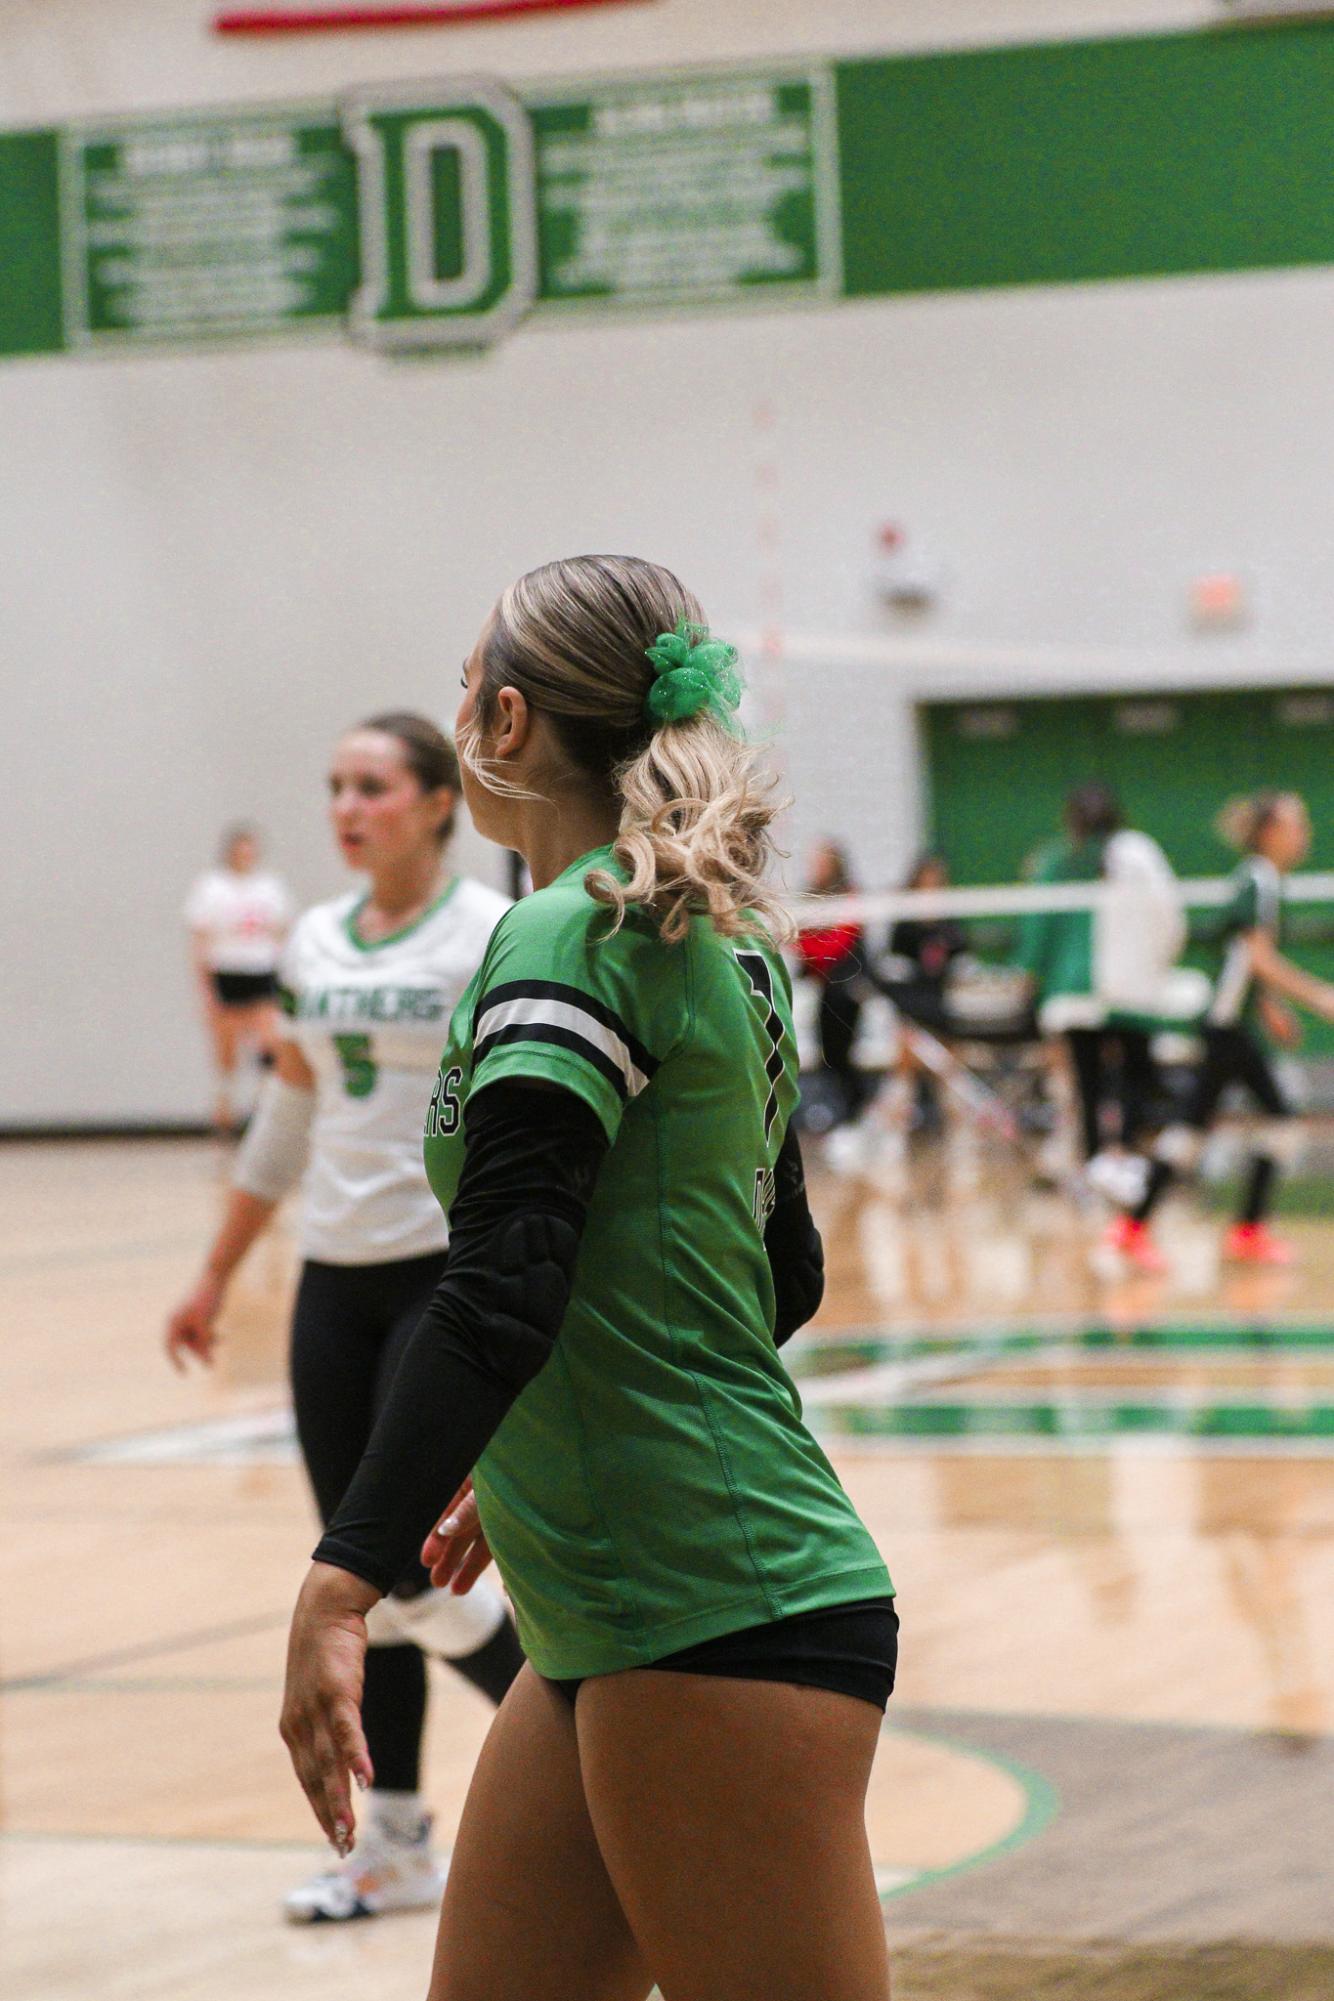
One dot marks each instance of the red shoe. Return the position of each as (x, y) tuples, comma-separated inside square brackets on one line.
[(1256, 1244), (1134, 1243)]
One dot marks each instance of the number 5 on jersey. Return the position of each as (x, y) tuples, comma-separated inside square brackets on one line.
[(359, 1071)]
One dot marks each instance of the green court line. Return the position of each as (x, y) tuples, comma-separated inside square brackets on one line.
[(1042, 1803), (1079, 1419), (832, 1354)]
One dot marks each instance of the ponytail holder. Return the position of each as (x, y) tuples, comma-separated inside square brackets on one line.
[(693, 672)]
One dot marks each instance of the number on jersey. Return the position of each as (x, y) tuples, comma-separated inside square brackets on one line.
[(760, 974), (359, 1071)]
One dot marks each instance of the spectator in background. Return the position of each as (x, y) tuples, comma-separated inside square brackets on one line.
[(928, 946), (922, 950), (834, 955), (239, 915)]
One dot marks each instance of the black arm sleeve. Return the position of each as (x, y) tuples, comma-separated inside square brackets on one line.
[(532, 1155), (796, 1254)]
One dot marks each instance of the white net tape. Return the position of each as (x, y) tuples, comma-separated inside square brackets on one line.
[(1021, 899)]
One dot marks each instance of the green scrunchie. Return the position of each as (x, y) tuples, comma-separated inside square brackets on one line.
[(693, 672)]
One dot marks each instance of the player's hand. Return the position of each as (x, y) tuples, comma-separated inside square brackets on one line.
[(190, 1330), (456, 1552), (321, 1719), (1281, 1024)]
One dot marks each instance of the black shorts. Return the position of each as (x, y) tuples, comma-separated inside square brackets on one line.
[(851, 1649), (1234, 1054), (244, 989)]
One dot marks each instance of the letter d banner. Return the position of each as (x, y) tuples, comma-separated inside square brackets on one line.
[(447, 214)]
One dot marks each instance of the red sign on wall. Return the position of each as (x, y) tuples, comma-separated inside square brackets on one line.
[(289, 17)]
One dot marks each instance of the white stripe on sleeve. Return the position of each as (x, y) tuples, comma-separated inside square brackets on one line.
[(545, 1013)]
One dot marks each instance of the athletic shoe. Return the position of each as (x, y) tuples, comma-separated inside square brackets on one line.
[(1256, 1244), (1135, 1244), (383, 1873)]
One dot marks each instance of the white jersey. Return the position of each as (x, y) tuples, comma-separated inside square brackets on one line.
[(370, 1019), (1140, 930), (244, 916)]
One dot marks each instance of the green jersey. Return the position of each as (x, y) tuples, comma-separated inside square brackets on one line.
[(1256, 904), (1057, 946), (655, 1485)]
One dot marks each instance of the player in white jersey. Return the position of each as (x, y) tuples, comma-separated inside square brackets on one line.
[(369, 983), (239, 915), (1250, 1003)]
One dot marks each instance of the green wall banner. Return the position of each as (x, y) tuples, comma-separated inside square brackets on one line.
[(439, 215), (203, 227), (689, 190)]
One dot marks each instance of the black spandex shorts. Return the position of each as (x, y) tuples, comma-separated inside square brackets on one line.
[(851, 1649), (244, 989)]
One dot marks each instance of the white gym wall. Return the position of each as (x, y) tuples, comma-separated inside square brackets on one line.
[(214, 562)]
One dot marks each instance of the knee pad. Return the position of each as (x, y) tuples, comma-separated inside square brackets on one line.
[(1179, 1147), (1279, 1140), (439, 1622)]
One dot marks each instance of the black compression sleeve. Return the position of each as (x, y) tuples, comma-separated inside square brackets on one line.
[(796, 1254), (531, 1159)]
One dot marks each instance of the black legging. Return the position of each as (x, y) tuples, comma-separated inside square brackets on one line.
[(841, 991), (1233, 1054), (1089, 1057), (349, 1329)]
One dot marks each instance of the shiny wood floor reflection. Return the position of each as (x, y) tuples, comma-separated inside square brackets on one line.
[(1107, 1500)]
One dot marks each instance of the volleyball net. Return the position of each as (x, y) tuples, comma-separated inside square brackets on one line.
[(990, 902)]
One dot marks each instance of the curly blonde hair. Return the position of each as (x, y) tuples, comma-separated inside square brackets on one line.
[(695, 810)]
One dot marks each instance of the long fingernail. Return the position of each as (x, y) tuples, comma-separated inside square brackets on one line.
[(362, 1780), (448, 1525), (341, 1842)]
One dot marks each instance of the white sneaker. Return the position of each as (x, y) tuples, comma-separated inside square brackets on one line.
[(384, 1872)]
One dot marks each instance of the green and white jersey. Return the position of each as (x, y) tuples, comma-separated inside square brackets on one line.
[(655, 1485), (1256, 904), (370, 1020), (1057, 946)]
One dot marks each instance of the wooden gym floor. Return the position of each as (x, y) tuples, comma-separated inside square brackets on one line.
[(1108, 1502)]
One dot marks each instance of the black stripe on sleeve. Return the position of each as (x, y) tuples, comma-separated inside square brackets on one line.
[(557, 990)]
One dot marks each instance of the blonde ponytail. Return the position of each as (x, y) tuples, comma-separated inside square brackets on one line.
[(694, 836), (695, 811)]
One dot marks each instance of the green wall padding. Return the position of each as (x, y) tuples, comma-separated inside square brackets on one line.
[(1112, 159), (30, 301), (998, 773)]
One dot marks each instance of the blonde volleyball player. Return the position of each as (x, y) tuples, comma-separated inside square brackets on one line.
[(239, 914), (674, 1787), (1255, 985), (370, 982)]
